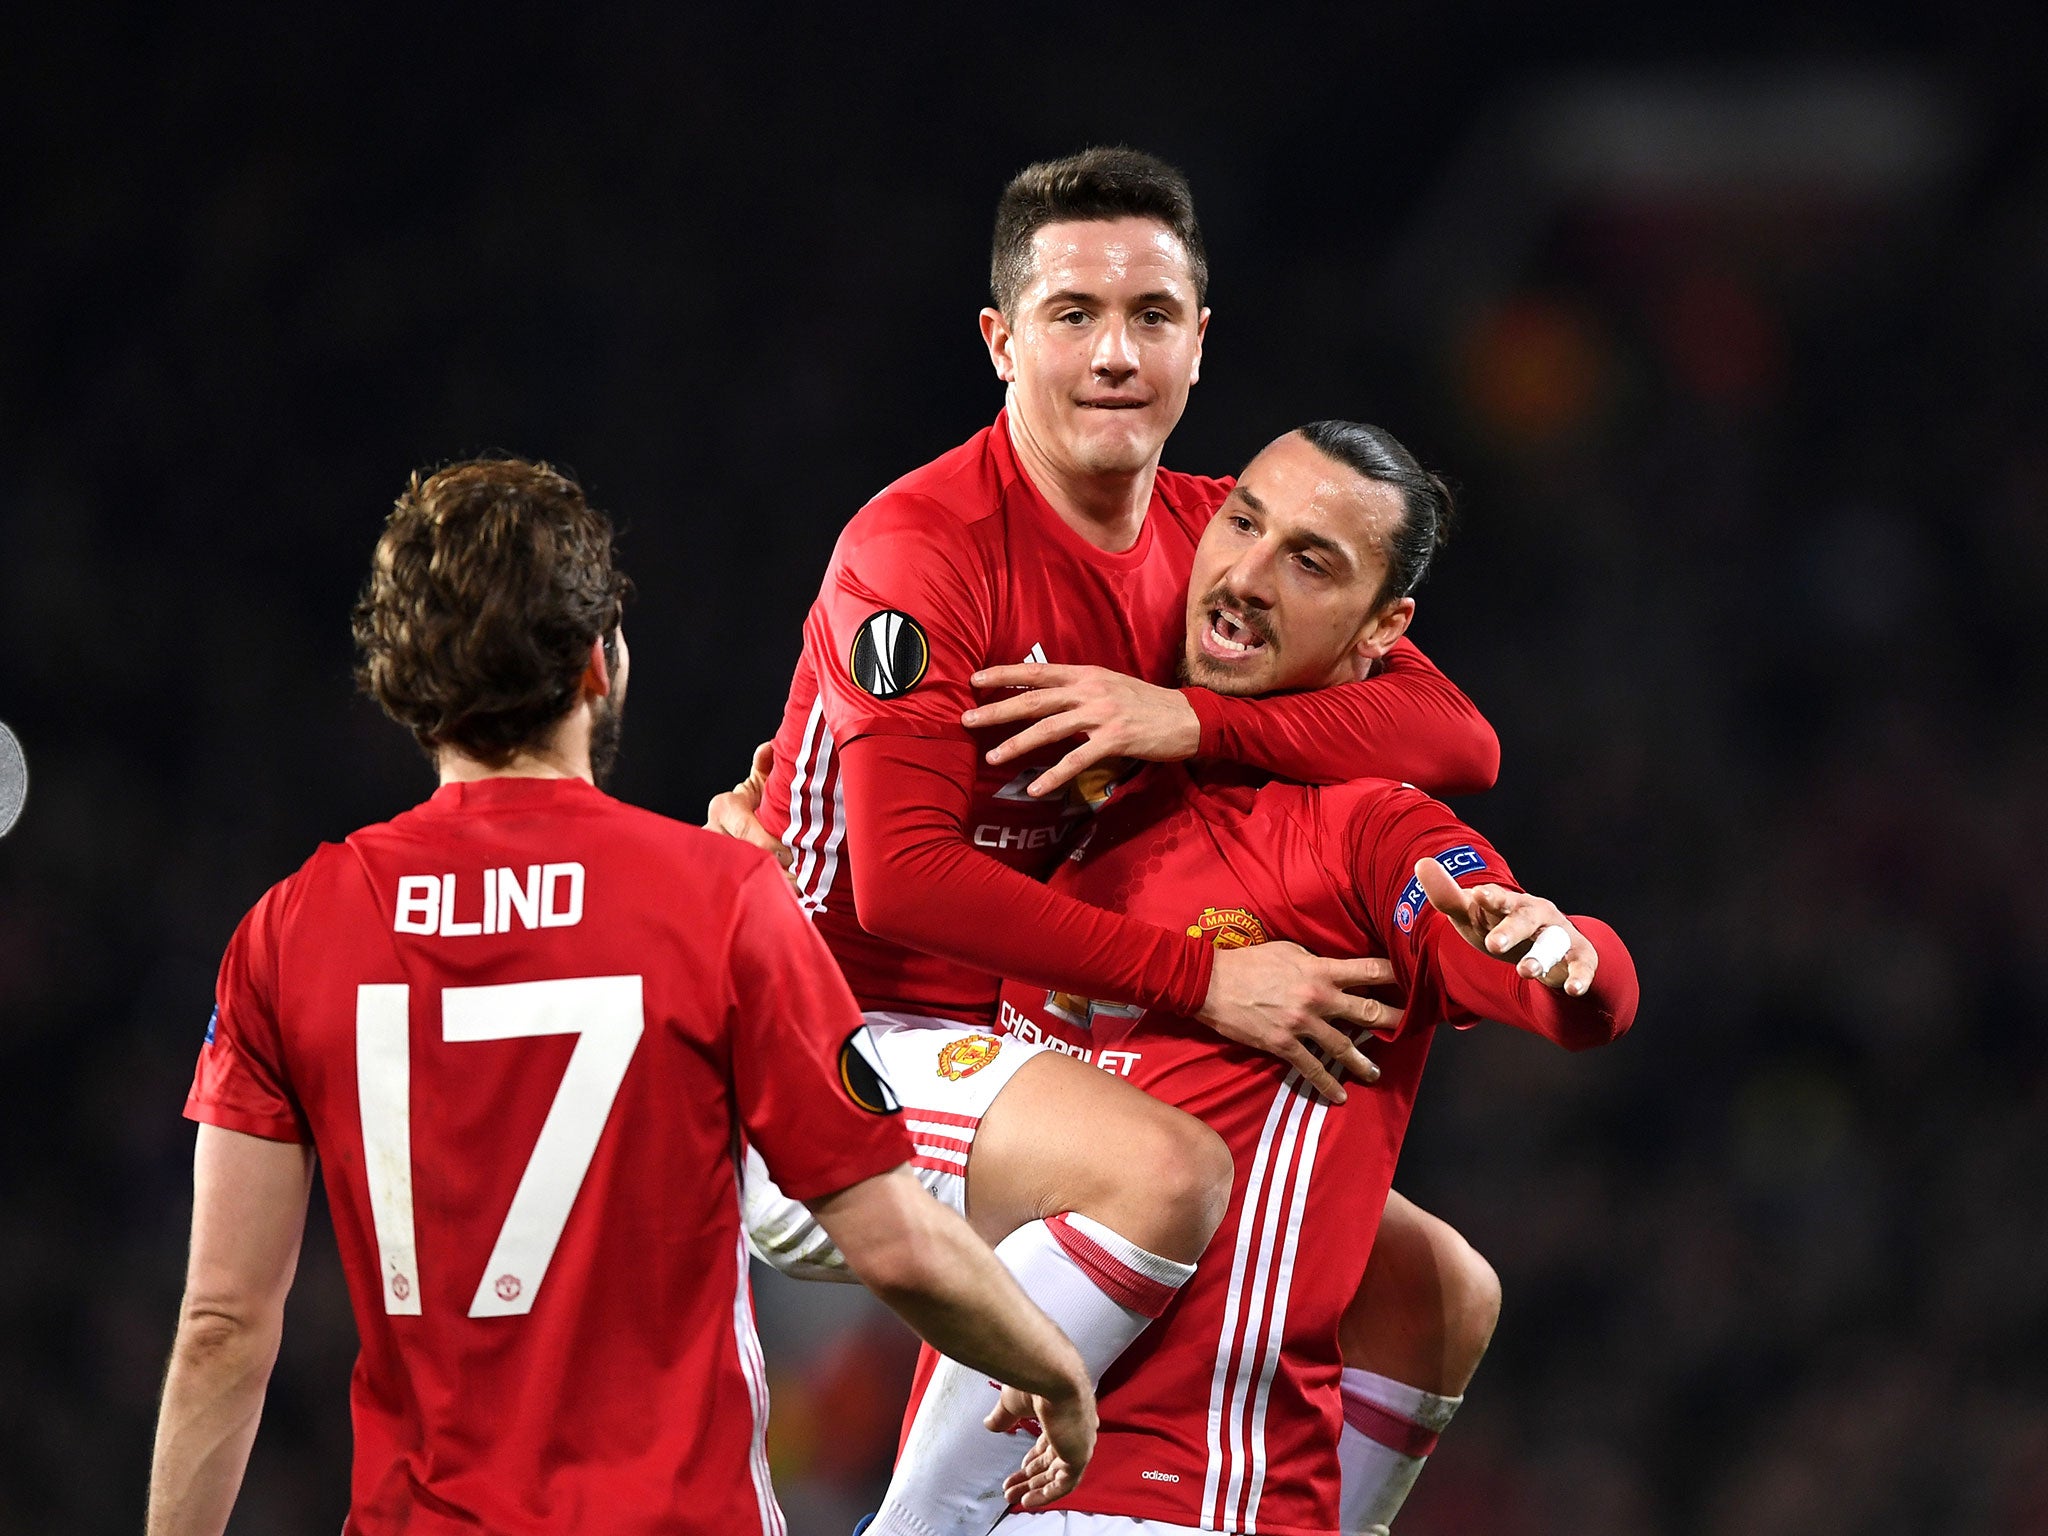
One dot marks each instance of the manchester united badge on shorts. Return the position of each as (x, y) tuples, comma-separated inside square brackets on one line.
[(1228, 927), (967, 1055)]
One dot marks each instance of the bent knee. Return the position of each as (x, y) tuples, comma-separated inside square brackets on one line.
[(1471, 1298), (1428, 1305), (1168, 1184), (1197, 1182)]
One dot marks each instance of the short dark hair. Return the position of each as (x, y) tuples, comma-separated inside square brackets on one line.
[(1425, 500), (489, 584), (1107, 182)]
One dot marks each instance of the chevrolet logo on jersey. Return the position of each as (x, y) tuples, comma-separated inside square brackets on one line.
[(890, 654), (1228, 927)]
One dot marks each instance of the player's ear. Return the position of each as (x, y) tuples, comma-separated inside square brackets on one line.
[(995, 332), (597, 673), (1201, 334), (1387, 624)]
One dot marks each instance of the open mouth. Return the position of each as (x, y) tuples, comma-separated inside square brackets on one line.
[(1232, 634)]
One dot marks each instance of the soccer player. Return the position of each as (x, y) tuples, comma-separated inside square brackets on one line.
[(1054, 536), (1226, 1416), (522, 1026)]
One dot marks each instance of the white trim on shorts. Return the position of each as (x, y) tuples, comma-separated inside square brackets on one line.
[(941, 1113), (1081, 1522)]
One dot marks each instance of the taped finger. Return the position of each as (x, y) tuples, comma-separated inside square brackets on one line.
[(1550, 946)]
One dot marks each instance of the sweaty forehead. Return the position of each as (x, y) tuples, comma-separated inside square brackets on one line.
[(1084, 255), (1302, 492)]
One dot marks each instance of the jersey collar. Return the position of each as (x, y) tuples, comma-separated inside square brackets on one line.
[(507, 790)]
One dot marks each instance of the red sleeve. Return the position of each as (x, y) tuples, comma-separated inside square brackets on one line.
[(1389, 834), (903, 620), (1491, 989), (240, 1082), (808, 1097), (1409, 722), (922, 883)]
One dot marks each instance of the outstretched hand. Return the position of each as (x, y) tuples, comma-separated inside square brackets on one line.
[(1066, 1439), (1120, 717), (1509, 925)]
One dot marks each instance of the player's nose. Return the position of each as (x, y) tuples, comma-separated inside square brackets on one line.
[(1250, 579), (1116, 352)]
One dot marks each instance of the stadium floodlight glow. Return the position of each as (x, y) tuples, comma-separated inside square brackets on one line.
[(13, 779)]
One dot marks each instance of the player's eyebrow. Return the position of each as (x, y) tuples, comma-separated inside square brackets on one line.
[(1325, 543), (1304, 539), (1157, 298)]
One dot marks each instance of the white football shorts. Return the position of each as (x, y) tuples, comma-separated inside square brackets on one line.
[(1077, 1522), (945, 1074)]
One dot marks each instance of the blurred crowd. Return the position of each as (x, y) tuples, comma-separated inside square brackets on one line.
[(1754, 473)]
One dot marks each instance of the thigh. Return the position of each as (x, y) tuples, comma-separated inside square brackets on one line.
[(1067, 1136), (945, 1075), (1426, 1309), (948, 1077)]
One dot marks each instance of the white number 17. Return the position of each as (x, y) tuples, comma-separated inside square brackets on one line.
[(606, 1016)]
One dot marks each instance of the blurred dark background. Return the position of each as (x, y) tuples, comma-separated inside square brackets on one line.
[(1728, 319)]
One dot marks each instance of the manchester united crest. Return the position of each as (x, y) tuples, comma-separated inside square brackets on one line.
[(967, 1055), (1092, 789), (1228, 927)]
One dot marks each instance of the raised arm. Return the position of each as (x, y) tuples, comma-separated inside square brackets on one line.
[(1451, 909), (1484, 954), (1409, 722)]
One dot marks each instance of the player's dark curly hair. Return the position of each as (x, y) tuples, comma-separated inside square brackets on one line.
[(1101, 183), (491, 581), (1426, 501)]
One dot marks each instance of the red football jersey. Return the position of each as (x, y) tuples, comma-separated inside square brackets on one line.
[(958, 566), (525, 1026), (1225, 1414), (963, 564)]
